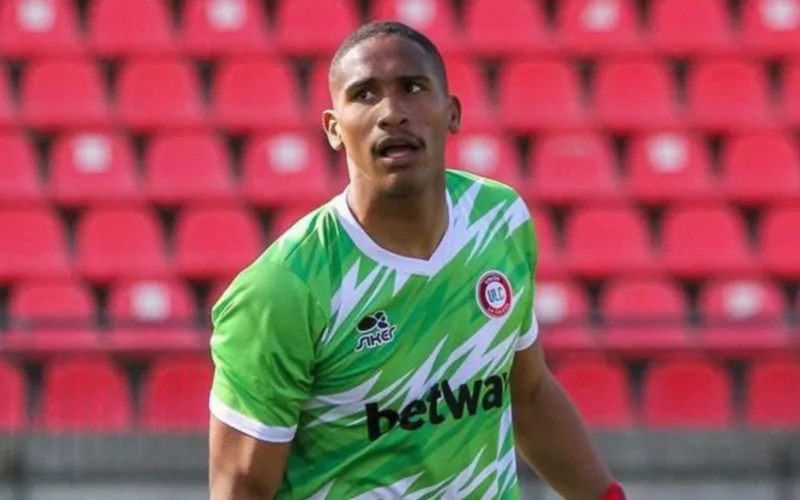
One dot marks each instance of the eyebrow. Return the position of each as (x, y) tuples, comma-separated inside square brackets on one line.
[(361, 82)]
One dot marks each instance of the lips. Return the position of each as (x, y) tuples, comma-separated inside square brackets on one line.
[(397, 145)]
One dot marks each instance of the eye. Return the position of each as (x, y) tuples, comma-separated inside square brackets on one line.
[(413, 88), (363, 95)]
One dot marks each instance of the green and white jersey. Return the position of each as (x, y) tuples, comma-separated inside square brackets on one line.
[(390, 375)]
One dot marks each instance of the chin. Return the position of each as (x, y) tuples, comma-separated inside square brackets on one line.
[(406, 183)]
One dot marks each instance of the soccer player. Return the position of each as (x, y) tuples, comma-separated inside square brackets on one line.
[(385, 346)]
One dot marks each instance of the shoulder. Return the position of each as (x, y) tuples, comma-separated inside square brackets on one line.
[(479, 196)]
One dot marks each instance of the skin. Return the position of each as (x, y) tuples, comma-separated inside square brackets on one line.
[(389, 87)]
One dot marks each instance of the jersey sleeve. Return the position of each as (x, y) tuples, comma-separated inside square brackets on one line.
[(530, 326), (265, 328)]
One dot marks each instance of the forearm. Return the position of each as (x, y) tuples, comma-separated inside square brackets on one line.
[(552, 438)]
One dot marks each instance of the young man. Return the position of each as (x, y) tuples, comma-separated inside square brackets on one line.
[(380, 348)]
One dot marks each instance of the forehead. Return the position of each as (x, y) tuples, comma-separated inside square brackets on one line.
[(382, 58)]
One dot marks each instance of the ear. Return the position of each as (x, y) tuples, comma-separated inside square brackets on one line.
[(331, 126), (455, 115)]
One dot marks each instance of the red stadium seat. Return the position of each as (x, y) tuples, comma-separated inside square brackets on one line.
[(319, 98), (549, 256), (284, 218), (434, 18), (219, 287), (215, 242), (768, 403), (120, 28), (728, 95), (90, 168), (36, 28), (742, 317), (490, 155), (13, 399), (536, 95), (152, 315), (467, 81), (644, 316), (632, 95), (761, 168), (704, 241), (314, 27), (39, 248), (791, 94), (567, 168), (771, 28), (690, 28), (517, 28), (63, 94), (20, 182), (87, 395), (186, 168), (286, 168), (51, 316), (155, 94), (252, 95), (562, 310), (687, 394), (780, 241), (602, 242), (599, 27), (175, 395), (7, 111), (664, 167), (223, 28), (119, 243), (601, 392)]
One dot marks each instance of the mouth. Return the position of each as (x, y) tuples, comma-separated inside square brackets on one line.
[(398, 149)]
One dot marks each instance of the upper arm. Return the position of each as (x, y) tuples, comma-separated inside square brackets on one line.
[(265, 328)]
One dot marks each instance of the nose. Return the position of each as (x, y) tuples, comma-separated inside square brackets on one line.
[(393, 113)]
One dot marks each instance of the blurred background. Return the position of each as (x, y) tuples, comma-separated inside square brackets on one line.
[(149, 149)]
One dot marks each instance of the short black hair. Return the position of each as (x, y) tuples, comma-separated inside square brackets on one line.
[(391, 28)]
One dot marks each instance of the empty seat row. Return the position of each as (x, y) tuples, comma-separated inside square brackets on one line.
[(208, 28), (86, 168), (246, 94), (208, 242)]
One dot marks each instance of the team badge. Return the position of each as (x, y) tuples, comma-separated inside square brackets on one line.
[(494, 294)]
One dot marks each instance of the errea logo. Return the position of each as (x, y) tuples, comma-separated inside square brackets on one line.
[(374, 330)]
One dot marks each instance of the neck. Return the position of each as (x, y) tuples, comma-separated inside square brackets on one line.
[(411, 226)]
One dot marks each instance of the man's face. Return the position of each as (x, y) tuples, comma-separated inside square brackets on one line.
[(392, 115)]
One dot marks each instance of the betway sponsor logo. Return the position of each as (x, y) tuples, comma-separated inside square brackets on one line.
[(441, 403)]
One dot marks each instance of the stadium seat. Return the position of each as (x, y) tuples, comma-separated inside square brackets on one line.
[(572, 168), (51, 316), (85, 394), (761, 169), (152, 315), (666, 167), (218, 287), (780, 241), (600, 390), (284, 218), (39, 247), (7, 111), (768, 403), (20, 182), (118, 243), (37, 28), (644, 317), (59, 94), (286, 168), (467, 81), (517, 28), (215, 242), (90, 168), (635, 94), (790, 105), (742, 317), (314, 27), (319, 98), (490, 155), (175, 395), (184, 168), (13, 399), (726, 96), (703, 241), (562, 310), (434, 18), (603, 242), (222, 28), (771, 28), (254, 94), (687, 394), (690, 28), (599, 27), (120, 28), (549, 256), (157, 94), (537, 95)]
